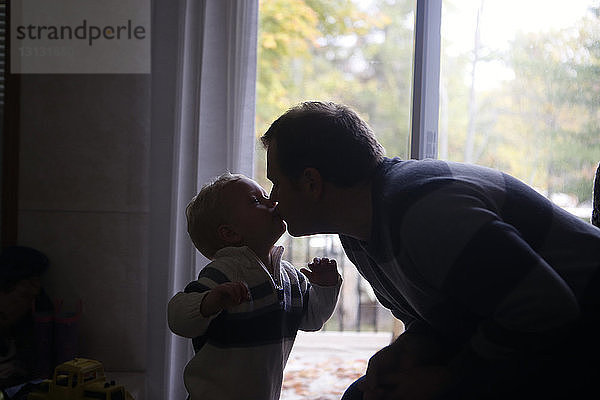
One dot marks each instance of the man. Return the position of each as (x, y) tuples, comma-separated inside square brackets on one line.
[(497, 287)]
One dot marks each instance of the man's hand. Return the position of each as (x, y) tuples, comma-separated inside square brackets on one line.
[(405, 367), (322, 272), (417, 383), (224, 296)]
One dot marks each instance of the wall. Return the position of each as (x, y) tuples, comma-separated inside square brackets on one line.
[(83, 201)]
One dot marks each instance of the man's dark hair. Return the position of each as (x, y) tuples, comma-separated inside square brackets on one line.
[(327, 136)]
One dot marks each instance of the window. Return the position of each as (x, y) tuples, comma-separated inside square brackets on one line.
[(62, 378), (89, 376), (353, 52), (519, 92), (510, 85)]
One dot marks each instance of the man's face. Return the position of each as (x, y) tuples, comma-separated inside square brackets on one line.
[(290, 198), (252, 213)]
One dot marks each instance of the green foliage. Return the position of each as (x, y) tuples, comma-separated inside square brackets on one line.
[(334, 50), (557, 75), (543, 126)]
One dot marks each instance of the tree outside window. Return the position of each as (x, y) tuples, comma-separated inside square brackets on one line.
[(519, 87)]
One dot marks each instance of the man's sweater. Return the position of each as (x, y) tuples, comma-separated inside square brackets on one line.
[(475, 256)]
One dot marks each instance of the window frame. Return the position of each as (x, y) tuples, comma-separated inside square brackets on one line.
[(426, 80)]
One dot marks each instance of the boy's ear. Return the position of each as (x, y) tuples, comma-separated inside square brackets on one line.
[(312, 181), (228, 235)]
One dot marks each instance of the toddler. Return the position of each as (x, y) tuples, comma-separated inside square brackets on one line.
[(244, 310)]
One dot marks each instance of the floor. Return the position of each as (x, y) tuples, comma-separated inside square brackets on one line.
[(323, 364)]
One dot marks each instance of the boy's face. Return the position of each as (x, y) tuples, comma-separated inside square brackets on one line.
[(252, 214)]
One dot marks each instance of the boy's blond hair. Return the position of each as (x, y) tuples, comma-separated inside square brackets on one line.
[(206, 212)]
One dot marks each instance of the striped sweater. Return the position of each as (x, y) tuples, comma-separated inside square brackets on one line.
[(476, 256), (241, 352)]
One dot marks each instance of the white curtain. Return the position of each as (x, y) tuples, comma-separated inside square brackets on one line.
[(202, 124)]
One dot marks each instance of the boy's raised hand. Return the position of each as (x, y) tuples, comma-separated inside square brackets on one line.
[(322, 272), (224, 296)]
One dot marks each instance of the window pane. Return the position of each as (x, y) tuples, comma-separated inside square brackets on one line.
[(519, 92), (354, 52)]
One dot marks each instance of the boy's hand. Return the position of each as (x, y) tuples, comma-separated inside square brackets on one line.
[(322, 272), (224, 296)]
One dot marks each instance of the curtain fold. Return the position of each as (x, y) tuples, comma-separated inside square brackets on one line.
[(203, 108)]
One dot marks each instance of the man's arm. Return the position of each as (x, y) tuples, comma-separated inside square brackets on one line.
[(484, 266)]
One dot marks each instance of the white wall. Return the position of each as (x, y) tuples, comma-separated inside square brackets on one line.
[(83, 201)]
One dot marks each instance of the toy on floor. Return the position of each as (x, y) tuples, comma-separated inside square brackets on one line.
[(79, 379)]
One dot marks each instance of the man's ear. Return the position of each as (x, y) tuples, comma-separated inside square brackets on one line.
[(228, 234), (313, 181)]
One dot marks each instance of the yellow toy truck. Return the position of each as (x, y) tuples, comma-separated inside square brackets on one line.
[(79, 379)]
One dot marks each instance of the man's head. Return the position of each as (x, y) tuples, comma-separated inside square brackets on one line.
[(232, 210), (329, 137), (313, 144)]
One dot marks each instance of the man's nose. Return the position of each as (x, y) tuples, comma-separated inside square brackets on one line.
[(273, 196)]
